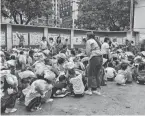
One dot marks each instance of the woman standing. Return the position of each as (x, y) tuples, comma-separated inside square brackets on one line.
[(59, 45), (95, 63)]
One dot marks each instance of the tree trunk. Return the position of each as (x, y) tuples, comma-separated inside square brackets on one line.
[(14, 16), (29, 19)]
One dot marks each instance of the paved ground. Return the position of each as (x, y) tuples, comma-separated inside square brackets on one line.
[(116, 100)]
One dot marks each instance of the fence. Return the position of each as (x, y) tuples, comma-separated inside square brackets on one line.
[(33, 34)]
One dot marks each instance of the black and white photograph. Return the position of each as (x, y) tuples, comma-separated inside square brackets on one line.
[(72, 57)]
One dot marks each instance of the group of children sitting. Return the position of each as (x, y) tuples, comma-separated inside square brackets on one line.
[(34, 77)]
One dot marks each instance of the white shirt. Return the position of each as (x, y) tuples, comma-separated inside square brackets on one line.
[(11, 62), (110, 72), (51, 44), (43, 45), (78, 85), (105, 48)]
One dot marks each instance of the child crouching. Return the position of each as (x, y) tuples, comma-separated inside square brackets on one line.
[(60, 87), (36, 92), (122, 75)]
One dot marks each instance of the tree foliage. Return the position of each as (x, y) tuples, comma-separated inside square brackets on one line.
[(26, 10), (104, 14)]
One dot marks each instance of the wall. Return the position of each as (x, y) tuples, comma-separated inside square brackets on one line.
[(34, 34), (3, 39)]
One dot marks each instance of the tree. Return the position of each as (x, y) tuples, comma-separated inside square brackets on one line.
[(111, 15), (27, 10)]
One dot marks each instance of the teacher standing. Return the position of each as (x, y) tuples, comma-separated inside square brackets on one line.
[(95, 63)]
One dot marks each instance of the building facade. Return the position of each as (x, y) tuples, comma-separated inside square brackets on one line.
[(68, 12), (139, 18)]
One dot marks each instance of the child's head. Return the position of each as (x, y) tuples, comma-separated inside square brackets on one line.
[(13, 57), (60, 61), (81, 57), (62, 78), (73, 53), (115, 63), (131, 62), (76, 59), (47, 62), (110, 64), (71, 73), (21, 52), (114, 58), (124, 66), (141, 66)]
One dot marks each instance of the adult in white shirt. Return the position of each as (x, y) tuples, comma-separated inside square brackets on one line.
[(105, 48), (43, 44)]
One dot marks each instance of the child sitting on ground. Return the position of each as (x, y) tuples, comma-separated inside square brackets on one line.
[(121, 76), (76, 83), (110, 72), (59, 87)]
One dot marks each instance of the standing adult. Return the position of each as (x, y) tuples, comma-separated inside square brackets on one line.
[(51, 43), (44, 44), (66, 42), (105, 48), (95, 63), (128, 45), (21, 39), (58, 45)]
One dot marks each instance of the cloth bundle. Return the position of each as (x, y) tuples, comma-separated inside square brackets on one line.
[(48, 74), (12, 79), (26, 74), (120, 79)]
